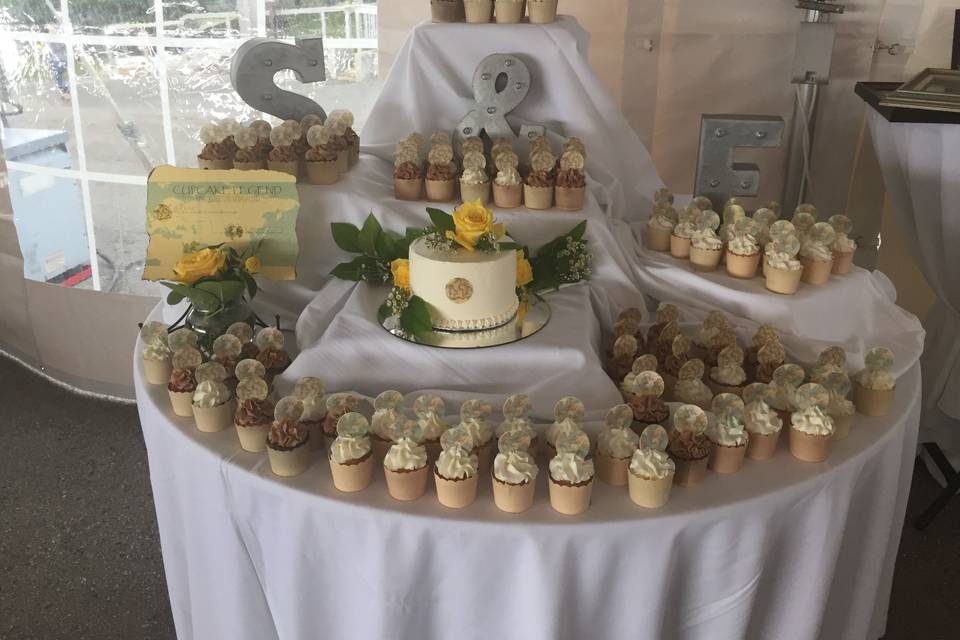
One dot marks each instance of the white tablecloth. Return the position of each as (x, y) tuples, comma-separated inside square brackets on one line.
[(783, 549)]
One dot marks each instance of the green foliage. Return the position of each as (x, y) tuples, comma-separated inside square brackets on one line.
[(415, 319), (212, 293), (377, 248)]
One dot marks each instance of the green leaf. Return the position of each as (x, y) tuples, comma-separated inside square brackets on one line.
[(250, 283), (202, 300), (386, 247), (415, 319), (442, 220), (383, 313), (509, 246), (346, 235), (223, 289), (349, 270), (174, 298), (367, 239), (578, 231)]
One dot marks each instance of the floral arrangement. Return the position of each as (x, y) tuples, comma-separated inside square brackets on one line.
[(214, 276), (383, 259)]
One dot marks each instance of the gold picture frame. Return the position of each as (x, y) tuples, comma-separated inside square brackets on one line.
[(931, 90)]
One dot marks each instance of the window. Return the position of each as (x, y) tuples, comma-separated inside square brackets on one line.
[(97, 92)]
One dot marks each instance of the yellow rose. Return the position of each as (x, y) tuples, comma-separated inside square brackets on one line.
[(252, 264), (524, 270), (473, 220), (400, 268), (201, 264)]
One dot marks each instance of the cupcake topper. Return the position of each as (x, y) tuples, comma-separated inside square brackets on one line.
[(666, 210), (154, 332), (262, 129), (310, 120), (183, 338), (663, 195), (539, 142), (782, 229), (840, 223), (400, 429), (667, 312), (389, 400), (569, 407), (542, 160), (338, 125), (576, 144), (707, 221), (345, 117), (765, 334), (212, 371), (513, 440), (833, 357), (458, 436), (475, 410), (283, 136), (625, 346), (252, 389), (250, 369), (474, 160), (837, 383), (576, 442), (646, 362), (212, 134), (774, 206), (771, 353), (755, 391), (342, 402), (309, 387), (746, 227), (649, 383), (802, 221), (727, 404), (821, 233), (788, 375), (288, 409), (352, 425), (764, 216), (227, 346), (730, 356), (319, 135), (726, 337), (634, 314), (507, 159), (879, 359), (715, 320), (619, 417), (732, 213), (572, 160), (806, 207), (415, 140), (472, 145), (270, 338), (427, 406), (624, 326), (789, 245), (230, 126), (690, 417), (440, 155), (680, 346), (241, 330), (670, 331), (702, 202), (440, 137), (517, 406), (186, 358), (691, 370), (246, 138), (654, 437), (811, 395)]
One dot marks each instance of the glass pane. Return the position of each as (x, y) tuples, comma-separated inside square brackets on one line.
[(119, 98), (112, 17), (119, 228), (210, 18)]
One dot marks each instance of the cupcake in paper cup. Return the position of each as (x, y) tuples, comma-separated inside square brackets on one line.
[(248, 156), (616, 443), (338, 405), (341, 121), (287, 448), (217, 152), (761, 421), (568, 417), (320, 159), (782, 271), (283, 157), (571, 483), (474, 183), (517, 411), (262, 128), (839, 407), (816, 253), (643, 389), (743, 249), (351, 454), (446, 10), (478, 11), (514, 481), (729, 375), (507, 185), (254, 414), (509, 11), (571, 180), (339, 142), (212, 406), (473, 418), (622, 354), (272, 355), (430, 411), (811, 429), (651, 472), (689, 446), (728, 433), (660, 227), (542, 11), (844, 247), (782, 389), (706, 247), (313, 392), (690, 388), (183, 381), (406, 469), (680, 237), (539, 185), (829, 360), (156, 353), (874, 386), (388, 416), (441, 172), (456, 474), (408, 170)]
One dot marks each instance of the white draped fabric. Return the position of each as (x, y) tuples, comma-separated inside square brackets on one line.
[(921, 169)]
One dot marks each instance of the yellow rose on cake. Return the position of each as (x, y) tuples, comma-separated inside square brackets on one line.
[(473, 221), (524, 270), (400, 268), (200, 264)]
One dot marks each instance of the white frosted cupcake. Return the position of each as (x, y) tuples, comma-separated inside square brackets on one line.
[(706, 247), (874, 386), (839, 408), (212, 406), (568, 415), (651, 469), (475, 183), (473, 418), (571, 482), (690, 388), (615, 446), (660, 226), (430, 411), (728, 434), (406, 469), (811, 429), (816, 253), (313, 393), (156, 353), (351, 454), (388, 414), (456, 476), (762, 422), (514, 476)]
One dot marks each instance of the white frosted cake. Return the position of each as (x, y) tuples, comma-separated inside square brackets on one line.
[(464, 290)]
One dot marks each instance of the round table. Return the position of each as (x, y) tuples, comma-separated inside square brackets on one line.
[(782, 549)]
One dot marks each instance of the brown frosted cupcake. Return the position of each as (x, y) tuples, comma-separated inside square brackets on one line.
[(287, 441), (217, 152), (272, 355), (689, 445), (571, 180), (539, 185), (441, 173), (183, 381)]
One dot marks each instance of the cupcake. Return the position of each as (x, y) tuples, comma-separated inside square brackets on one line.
[(680, 236), (387, 416), (729, 375), (642, 390), (651, 471), (182, 381), (507, 190), (762, 422), (407, 171), (714, 322), (571, 180), (456, 475), (829, 360), (247, 157), (342, 120), (568, 415), (660, 227), (517, 410), (313, 392), (474, 183), (320, 159), (514, 476), (666, 313), (728, 433), (623, 353), (351, 454), (509, 11), (478, 11), (804, 217), (226, 351), (571, 483), (783, 390), (874, 386), (672, 363), (542, 11), (689, 445), (473, 418), (705, 245), (156, 353), (441, 173), (616, 443), (430, 411), (844, 247), (217, 153), (339, 142), (733, 212), (538, 187), (764, 335), (287, 448), (337, 406), (406, 469), (811, 429), (212, 406), (781, 269), (743, 250), (244, 333), (262, 149), (254, 413), (690, 388), (272, 355), (839, 408), (764, 217), (446, 10), (301, 145), (725, 337), (816, 253), (283, 157), (769, 358), (663, 349)]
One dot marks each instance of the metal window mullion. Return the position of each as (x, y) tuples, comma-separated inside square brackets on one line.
[(163, 83)]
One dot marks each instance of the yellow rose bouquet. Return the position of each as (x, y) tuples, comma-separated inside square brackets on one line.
[(214, 278)]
